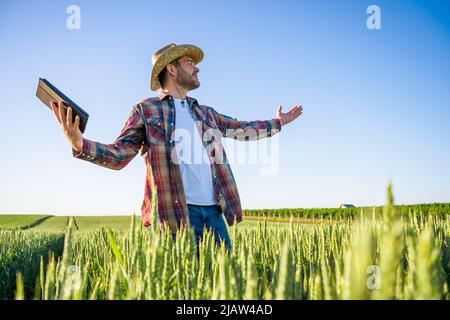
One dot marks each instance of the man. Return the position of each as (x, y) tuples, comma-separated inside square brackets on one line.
[(193, 193)]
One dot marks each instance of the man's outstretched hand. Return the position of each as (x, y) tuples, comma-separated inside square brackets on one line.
[(289, 116), (71, 129)]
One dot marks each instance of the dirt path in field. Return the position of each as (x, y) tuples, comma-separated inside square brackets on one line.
[(37, 222)]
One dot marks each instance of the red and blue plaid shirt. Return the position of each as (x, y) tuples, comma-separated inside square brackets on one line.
[(154, 139)]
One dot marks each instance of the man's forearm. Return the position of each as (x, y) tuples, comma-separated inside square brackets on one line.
[(245, 130), (113, 156), (118, 154), (252, 130)]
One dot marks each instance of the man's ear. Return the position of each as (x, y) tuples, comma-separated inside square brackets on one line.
[(171, 69)]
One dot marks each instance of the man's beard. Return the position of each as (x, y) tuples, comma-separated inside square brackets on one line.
[(187, 81)]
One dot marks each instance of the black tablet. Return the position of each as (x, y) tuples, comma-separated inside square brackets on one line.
[(47, 93)]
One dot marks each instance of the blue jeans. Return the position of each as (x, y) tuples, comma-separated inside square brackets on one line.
[(209, 217)]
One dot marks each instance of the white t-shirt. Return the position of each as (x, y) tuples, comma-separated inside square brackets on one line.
[(193, 159)]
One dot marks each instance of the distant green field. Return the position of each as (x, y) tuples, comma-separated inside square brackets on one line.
[(251, 217), (59, 224), (13, 221), (436, 209), (84, 223)]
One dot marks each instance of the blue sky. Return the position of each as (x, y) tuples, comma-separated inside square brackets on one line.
[(376, 102)]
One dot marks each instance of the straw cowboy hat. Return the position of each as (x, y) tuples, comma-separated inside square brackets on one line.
[(171, 52)]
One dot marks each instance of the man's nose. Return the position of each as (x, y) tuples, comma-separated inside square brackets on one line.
[(197, 70)]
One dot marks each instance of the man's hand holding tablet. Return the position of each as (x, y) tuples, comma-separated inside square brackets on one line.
[(72, 118), (71, 129)]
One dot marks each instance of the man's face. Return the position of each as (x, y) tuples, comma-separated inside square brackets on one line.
[(187, 73)]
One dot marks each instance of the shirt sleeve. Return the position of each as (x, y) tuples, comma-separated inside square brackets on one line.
[(119, 153), (245, 130)]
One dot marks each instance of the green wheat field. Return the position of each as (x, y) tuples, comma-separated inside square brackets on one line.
[(390, 252)]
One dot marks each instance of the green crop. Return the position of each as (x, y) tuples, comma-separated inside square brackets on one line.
[(383, 254)]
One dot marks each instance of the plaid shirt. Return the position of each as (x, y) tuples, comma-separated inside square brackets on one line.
[(154, 139)]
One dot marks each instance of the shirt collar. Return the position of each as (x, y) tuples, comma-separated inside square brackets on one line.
[(164, 95)]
